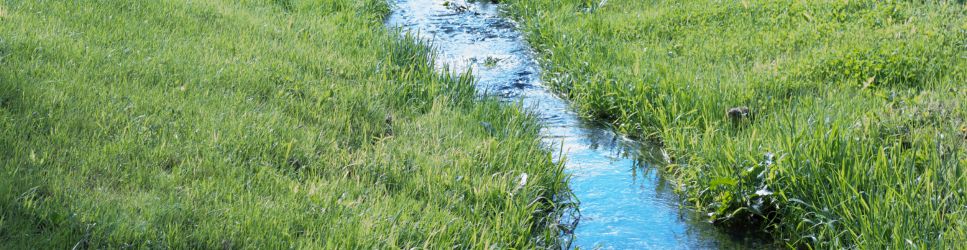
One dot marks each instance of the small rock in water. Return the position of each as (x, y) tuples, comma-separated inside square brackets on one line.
[(456, 7)]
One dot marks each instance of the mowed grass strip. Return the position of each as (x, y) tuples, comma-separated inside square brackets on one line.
[(253, 124), (830, 124)]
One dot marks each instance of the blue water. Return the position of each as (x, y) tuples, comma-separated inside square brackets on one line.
[(624, 203)]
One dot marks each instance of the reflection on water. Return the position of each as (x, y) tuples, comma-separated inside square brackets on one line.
[(624, 203)]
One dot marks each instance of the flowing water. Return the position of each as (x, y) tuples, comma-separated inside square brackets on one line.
[(624, 203)]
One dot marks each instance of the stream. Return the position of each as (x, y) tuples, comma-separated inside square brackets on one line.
[(624, 202)]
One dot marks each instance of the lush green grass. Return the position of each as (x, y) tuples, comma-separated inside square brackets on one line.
[(857, 131), (252, 124)]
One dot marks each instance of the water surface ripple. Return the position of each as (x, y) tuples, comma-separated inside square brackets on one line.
[(624, 204)]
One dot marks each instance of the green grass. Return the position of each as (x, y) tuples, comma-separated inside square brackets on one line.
[(857, 132), (252, 124)]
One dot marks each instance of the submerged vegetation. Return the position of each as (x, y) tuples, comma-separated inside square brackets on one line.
[(252, 124), (829, 124)]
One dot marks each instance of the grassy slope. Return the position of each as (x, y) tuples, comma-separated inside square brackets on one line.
[(256, 124), (861, 103)]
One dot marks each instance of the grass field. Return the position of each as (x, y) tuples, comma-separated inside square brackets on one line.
[(252, 124), (854, 133)]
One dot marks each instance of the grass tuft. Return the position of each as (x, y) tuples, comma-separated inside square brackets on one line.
[(856, 107), (254, 124)]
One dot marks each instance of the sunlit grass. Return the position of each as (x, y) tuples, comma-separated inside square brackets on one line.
[(252, 124), (854, 135)]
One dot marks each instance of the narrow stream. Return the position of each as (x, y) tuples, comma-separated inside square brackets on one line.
[(624, 203)]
